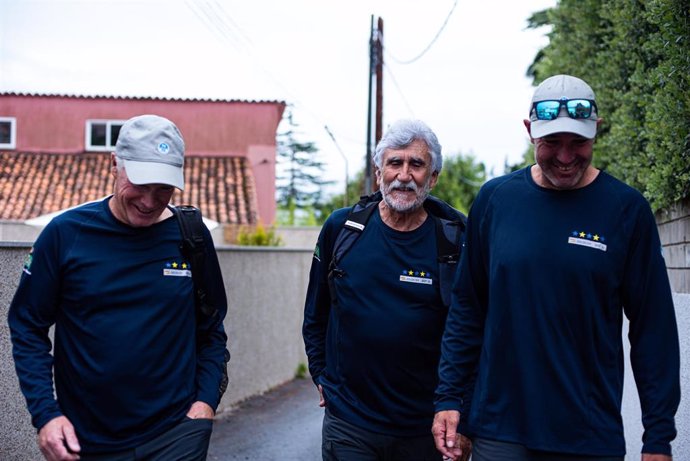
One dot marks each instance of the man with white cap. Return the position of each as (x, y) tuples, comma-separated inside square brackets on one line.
[(556, 253), (137, 369)]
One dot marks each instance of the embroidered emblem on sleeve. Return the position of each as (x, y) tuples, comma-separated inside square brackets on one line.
[(27, 262)]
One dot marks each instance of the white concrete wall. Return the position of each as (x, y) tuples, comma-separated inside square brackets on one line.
[(299, 236), (631, 402), (266, 290), (13, 231)]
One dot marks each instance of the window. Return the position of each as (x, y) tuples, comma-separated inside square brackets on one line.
[(8, 132), (101, 135)]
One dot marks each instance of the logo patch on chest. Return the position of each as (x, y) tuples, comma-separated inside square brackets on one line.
[(411, 276), (587, 239), (175, 269)]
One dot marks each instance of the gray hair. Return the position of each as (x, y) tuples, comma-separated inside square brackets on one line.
[(403, 133), (120, 163)]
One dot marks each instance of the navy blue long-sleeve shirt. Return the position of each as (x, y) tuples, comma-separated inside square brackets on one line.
[(532, 352), (130, 355)]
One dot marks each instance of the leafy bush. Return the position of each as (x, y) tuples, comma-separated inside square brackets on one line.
[(259, 236)]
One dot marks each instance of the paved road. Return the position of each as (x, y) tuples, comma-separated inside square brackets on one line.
[(284, 424)]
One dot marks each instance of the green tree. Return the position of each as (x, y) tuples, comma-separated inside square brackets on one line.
[(459, 181), (527, 159), (299, 180), (355, 189)]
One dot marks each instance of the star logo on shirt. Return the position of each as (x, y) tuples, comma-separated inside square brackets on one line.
[(588, 239)]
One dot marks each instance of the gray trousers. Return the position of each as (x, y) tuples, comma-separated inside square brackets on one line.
[(492, 450), (188, 441), (342, 441)]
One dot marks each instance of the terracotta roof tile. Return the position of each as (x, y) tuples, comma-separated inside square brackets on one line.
[(138, 98), (34, 184)]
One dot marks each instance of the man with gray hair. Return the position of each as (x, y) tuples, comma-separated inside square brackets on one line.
[(376, 305), (138, 368)]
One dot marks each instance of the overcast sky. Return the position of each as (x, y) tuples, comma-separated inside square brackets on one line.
[(469, 85)]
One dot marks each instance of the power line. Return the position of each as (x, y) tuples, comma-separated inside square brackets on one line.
[(428, 47), (235, 25), (215, 18), (402, 95), (213, 23)]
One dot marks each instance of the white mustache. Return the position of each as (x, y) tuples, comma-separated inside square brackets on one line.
[(397, 184)]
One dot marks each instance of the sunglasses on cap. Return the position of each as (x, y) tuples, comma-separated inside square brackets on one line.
[(576, 108)]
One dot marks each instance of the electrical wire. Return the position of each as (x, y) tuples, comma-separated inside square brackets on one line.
[(402, 95), (216, 19), (213, 23), (428, 47)]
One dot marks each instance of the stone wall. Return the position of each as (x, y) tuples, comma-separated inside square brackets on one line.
[(674, 231)]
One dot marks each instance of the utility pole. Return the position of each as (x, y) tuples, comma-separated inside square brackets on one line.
[(367, 160), (379, 82), (375, 72)]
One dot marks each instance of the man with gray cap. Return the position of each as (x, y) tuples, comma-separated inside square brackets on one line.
[(137, 368), (556, 253)]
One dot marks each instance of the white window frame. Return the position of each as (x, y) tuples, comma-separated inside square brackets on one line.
[(109, 145), (13, 133)]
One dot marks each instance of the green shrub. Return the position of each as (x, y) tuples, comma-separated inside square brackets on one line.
[(259, 236)]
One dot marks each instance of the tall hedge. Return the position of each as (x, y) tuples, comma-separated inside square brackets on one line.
[(636, 56)]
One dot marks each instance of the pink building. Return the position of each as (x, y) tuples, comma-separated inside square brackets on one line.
[(54, 152)]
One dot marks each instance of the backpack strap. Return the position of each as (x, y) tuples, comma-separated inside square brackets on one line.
[(354, 226), (194, 249), (448, 247), (447, 240)]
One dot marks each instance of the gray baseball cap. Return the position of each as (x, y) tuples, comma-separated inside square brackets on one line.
[(152, 150), (563, 87)]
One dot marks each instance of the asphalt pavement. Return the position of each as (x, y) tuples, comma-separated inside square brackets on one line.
[(283, 424)]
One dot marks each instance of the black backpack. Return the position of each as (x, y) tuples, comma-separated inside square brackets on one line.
[(449, 223), (193, 247)]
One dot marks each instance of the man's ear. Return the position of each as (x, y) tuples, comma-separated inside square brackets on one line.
[(113, 165), (528, 124), (433, 180), (377, 173)]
